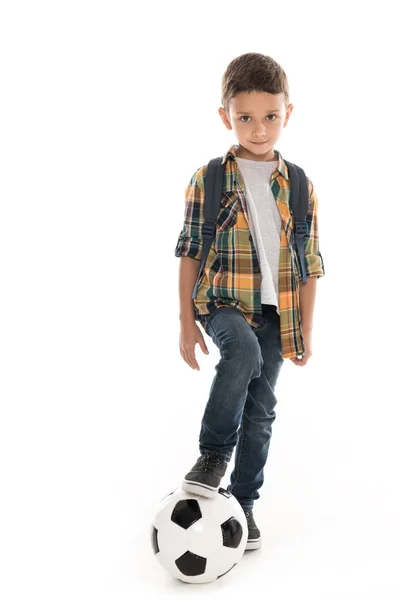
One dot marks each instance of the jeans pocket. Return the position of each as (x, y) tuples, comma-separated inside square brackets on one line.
[(205, 319)]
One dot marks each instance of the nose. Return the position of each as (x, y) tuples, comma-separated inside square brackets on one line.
[(260, 131)]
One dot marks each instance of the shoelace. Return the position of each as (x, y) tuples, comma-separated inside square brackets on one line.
[(250, 518), (208, 463)]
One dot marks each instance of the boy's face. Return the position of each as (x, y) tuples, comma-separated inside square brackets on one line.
[(256, 117)]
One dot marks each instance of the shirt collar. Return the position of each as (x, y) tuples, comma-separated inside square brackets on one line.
[(282, 168)]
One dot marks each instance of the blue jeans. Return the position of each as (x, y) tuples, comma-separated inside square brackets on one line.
[(240, 408)]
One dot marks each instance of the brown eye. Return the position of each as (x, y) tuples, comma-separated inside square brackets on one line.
[(247, 117)]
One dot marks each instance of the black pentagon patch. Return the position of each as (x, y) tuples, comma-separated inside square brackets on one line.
[(191, 564), (154, 541), (185, 513), (232, 533), (224, 492), (234, 564)]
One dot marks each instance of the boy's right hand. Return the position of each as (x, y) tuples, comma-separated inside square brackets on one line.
[(190, 336)]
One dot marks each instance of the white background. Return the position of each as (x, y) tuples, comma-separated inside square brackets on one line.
[(107, 109)]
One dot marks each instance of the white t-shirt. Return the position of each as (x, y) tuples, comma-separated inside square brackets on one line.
[(264, 222)]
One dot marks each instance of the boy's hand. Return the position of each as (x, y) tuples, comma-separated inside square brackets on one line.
[(189, 337), (300, 362)]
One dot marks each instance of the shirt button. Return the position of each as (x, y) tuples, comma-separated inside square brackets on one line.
[(256, 270), (255, 294), (250, 238)]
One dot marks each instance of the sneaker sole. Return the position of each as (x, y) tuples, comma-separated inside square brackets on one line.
[(253, 544), (200, 489)]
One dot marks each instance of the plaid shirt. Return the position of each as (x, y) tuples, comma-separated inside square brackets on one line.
[(231, 275)]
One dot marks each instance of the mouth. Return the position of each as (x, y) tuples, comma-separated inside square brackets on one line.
[(259, 143)]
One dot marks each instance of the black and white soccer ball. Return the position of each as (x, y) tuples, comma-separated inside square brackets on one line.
[(197, 539)]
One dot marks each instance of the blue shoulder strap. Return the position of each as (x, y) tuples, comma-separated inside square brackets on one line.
[(298, 205), (214, 187)]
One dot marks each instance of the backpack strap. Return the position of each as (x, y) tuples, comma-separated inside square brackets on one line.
[(214, 185), (298, 205)]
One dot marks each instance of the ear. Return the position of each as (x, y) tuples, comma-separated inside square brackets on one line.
[(288, 113), (224, 117)]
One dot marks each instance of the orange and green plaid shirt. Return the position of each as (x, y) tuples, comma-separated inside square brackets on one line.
[(231, 275)]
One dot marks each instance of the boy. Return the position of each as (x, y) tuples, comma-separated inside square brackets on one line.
[(250, 299)]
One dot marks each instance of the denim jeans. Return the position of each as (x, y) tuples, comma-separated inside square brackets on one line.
[(240, 409)]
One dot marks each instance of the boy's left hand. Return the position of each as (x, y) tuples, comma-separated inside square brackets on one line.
[(300, 362)]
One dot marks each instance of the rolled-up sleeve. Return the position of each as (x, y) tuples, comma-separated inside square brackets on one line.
[(190, 242), (313, 257)]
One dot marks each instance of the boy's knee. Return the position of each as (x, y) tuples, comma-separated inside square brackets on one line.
[(244, 349)]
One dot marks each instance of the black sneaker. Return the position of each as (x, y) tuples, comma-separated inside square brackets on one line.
[(205, 476), (254, 537)]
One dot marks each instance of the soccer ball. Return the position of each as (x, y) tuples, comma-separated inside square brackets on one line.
[(197, 539)]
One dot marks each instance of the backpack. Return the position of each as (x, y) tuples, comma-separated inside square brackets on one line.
[(214, 184)]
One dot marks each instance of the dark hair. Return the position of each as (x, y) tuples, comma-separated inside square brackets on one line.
[(253, 72)]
